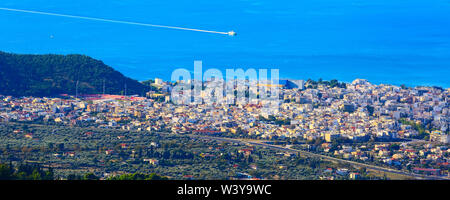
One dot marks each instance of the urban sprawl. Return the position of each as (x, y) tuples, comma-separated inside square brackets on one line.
[(384, 124)]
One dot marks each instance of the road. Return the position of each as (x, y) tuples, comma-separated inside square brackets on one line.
[(329, 158)]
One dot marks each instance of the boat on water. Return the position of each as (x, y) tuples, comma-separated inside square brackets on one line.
[(232, 33)]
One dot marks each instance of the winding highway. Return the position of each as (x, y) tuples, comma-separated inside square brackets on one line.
[(329, 158)]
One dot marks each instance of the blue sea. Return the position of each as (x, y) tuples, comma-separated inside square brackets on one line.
[(384, 41)]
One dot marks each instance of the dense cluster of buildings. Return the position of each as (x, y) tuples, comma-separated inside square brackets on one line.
[(359, 112)]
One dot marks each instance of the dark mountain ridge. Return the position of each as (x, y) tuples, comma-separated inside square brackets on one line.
[(49, 75)]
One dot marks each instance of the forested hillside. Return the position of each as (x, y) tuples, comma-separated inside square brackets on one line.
[(48, 75)]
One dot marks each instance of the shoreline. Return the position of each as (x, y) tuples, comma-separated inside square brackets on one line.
[(164, 76), (346, 82)]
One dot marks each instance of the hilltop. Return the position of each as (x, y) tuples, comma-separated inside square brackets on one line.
[(48, 75)]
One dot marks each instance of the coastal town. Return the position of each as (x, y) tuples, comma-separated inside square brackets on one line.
[(397, 127)]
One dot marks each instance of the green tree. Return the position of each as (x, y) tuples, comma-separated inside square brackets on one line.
[(90, 176), (6, 172)]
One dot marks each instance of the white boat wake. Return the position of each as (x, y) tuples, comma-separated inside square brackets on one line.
[(230, 33)]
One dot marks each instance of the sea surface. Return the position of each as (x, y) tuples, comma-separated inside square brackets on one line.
[(384, 41)]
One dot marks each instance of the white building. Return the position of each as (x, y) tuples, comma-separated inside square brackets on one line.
[(158, 81), (445, 139)]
